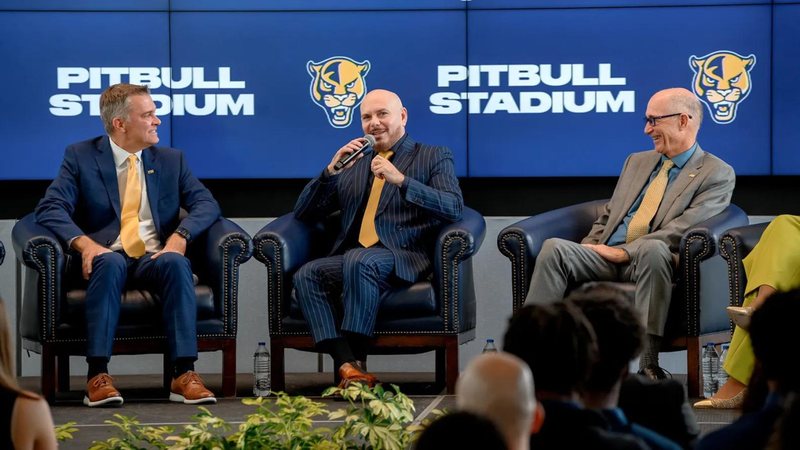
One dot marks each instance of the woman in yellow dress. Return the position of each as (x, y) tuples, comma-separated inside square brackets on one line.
[(773, 265)]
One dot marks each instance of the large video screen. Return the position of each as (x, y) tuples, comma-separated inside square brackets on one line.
[(786, 76), (279, 123), (516, 88), (570, 97)]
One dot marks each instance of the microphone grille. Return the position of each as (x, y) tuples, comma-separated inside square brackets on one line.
[(370, 140)]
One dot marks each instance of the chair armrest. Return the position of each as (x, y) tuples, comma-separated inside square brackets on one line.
[(460, 240), (735, 245), (38, 249), (220, 251), (287, 243), (522, 241), (283, 246), (452, 267), (699, 244)]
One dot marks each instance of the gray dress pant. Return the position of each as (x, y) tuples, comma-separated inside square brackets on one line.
[(563, 265)]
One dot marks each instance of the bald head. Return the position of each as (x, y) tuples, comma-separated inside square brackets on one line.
[(684, 100), (383, 116), (677, 115), (499, 386)]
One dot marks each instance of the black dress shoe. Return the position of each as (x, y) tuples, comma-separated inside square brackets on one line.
[(655, 373)]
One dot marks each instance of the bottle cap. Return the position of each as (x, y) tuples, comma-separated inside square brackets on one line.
[(490, 340), (262, 343)]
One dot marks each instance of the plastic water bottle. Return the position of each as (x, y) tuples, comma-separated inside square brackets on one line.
[(710, 365), (722, 376), (489, 347), (261, 367)]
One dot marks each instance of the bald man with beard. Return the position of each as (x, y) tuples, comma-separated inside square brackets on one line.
[(392, 202)]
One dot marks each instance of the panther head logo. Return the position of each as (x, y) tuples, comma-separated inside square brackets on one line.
[(722, 81), (337, 87)]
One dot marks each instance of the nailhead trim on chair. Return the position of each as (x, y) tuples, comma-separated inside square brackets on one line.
[(518, 269), (446, 267), (692, 293), (49, 297), (226, 295), (273, 270)]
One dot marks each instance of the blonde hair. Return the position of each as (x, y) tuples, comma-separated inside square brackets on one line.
[(8, 379)]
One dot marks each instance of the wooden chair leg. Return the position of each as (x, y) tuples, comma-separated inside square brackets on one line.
[(229, 369), (277, 370), (451, 370), (49, 376), (62, 368), (441, 370), (694, 349), (168, 369)]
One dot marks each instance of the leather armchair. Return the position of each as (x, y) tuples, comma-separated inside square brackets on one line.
[(433, 314), (697, 311), (53, 322), (735, 245)]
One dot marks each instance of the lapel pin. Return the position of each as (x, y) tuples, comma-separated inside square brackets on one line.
[(151, 171), (691, 175)]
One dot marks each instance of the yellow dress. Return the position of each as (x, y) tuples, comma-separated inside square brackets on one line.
[(774, 261)]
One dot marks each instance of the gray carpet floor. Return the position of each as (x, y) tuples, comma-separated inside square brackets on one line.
[(146, 400)]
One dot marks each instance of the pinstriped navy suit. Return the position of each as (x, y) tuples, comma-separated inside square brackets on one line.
[(407, 220)]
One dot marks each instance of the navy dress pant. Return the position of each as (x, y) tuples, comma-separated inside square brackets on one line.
[(342, 292), (169, 276)]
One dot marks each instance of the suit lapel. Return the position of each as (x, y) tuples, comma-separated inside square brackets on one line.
[(401, 160), (151, 168), (640, 176), (687, 174), (356, 179), (108, 171)]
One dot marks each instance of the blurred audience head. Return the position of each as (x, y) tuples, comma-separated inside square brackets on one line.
[(558, 344), (500, 387), (618, 330), (8, 378), (461, 430), (773, 342)]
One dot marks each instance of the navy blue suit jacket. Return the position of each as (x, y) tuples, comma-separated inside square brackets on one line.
[(84, 197), (408, 216)]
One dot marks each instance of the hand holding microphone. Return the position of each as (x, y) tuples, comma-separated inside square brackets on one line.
[(352, 151)]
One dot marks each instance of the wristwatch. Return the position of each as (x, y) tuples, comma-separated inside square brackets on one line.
[(184, 233)]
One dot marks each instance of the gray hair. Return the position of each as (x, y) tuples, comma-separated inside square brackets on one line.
[(114, 102)]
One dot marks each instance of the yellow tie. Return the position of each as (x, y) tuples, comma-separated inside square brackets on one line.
[(368, 236), (640, 222), (129, 233)]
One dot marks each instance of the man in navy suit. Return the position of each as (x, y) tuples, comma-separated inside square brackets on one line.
[(393, 201), (115, 205)]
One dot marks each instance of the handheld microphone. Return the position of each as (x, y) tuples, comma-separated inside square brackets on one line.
[(370, 141)]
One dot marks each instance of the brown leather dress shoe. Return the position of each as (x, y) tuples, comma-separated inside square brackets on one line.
[(100, 391), (189, 389), (349, 373)]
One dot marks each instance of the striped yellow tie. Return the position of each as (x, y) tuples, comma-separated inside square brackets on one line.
[(129, 232), (368, 236), (640, 222)]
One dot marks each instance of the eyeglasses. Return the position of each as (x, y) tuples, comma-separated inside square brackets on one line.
[(652, 120)]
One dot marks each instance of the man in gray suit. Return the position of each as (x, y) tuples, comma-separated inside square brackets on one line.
[(659, 195), (392, 203)]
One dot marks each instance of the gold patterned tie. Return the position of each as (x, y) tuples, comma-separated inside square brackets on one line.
[(640, 222), (368, 236), (129, 233)]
